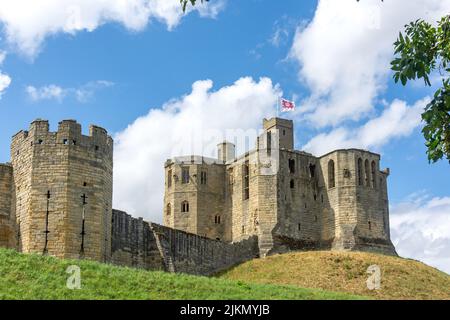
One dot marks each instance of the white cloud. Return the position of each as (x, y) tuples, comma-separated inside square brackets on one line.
[(397, 120), (27, 23), (344, 53), (54, 92), (192, 124), (2, 56), (5, 80), (420, 229), (46, 93)]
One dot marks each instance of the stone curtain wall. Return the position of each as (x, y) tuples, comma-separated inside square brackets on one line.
[(7, 236), (151, 246), (133, 244)]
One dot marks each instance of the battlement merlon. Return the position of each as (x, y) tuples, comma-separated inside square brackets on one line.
[(69, 132)]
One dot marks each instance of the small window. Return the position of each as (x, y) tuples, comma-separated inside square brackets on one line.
[(169, 178), (185, 175), (367, 172), (65, 141), (312, 170), (168, 209), (299, 227), (374, 177), (331, 175), (321, 198), (74, 142), (217, 219), (85, 184), (97, 148), (315, 197), (243, 229), (292, 183), (246, 180), (315, 218), (203, 176), (185, 206), (40, 141), (360, 173), (370, 225), (269, 143), (291, 165), (284, 132)]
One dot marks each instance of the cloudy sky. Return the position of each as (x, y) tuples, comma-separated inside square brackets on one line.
[(163, 83)]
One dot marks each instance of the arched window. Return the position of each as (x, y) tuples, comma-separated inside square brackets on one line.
[(374, 177), (360, 174), (331, 179), (291, 165), (367, 172), (185, 206), (168, 209)]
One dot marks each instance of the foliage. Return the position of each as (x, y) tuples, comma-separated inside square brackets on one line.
[(184, 3), (424, 49)]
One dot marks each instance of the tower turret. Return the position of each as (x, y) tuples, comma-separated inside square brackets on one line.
[(63, 190)]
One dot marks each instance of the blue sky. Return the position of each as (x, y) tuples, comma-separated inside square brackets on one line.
[(112, 66)]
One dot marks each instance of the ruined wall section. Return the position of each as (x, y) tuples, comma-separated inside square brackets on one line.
[(154, 247), (300, 202), (7, 220), (52, 171), (358, 200)]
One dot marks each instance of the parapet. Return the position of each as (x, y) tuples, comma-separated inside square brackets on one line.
[(69, 133), (279, 122)]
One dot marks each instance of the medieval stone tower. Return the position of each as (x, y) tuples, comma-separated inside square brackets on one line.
[(59, 187), (289, 199)]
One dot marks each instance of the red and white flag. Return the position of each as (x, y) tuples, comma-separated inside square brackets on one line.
[(287, 105)]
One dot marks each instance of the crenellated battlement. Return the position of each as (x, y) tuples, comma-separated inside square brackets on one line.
[(68, 135)]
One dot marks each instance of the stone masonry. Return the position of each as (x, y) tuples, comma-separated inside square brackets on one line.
[(56, 199), (288, 199)]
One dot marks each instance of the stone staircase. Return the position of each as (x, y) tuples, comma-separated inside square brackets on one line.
[(162, 245)]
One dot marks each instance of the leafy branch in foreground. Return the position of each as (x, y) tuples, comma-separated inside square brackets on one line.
[(424, 49), (184, 3)]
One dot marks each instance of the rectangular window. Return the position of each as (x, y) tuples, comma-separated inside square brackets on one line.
[(185, 175), (169, 178), (246, 181), (203, 177)]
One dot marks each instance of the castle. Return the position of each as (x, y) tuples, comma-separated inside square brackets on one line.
[(56, 199)]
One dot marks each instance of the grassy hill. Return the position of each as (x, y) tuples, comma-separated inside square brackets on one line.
[(37, 277), (346, 272)]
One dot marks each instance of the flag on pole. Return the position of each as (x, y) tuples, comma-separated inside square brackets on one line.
[(287, 105)]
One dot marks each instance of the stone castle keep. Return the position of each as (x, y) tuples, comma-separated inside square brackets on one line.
[(56, 199)]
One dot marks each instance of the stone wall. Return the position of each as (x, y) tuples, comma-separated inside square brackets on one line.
[(290, 200), (151, 246), (205, 196), (7, 229)]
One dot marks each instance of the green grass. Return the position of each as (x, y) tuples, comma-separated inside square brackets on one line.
[(37, 277), (346, 272)]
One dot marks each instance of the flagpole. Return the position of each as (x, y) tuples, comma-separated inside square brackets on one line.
[(278, 107)]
